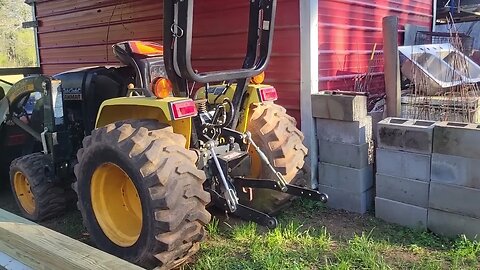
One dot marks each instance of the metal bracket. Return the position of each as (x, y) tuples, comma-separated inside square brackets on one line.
[(291, 189), (230, 195), (245, 212), (43, 136), (30, 24), (281, 180)]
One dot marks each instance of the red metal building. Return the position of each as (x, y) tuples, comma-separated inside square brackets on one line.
[(350, 29), (74, 33)]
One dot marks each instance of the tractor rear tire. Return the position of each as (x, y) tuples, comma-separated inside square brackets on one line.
[(140, 194), (36, 196), (275, 132)]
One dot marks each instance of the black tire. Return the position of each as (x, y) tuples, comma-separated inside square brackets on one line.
[(169, 187), (49, 199), (275, 132)]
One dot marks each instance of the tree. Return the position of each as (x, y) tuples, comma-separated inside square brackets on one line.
[(17, 45)]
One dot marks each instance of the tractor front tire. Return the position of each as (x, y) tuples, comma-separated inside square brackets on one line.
[(37, 197), (140, 193), (276, 134)]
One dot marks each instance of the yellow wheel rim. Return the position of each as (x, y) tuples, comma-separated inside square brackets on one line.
[(116, 204), (24, 193)]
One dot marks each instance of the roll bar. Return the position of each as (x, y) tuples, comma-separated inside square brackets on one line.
[(178, 28)]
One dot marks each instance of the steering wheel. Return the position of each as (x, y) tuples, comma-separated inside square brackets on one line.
[(19, 108)]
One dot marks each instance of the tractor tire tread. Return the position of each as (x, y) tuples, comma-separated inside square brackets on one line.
[(173, 183), (50, 200), (276, 134)]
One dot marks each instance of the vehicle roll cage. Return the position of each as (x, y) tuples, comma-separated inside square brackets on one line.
[(177, 42)]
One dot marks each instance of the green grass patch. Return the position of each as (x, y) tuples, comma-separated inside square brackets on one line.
[(313, 237), (361, 252), (245, 246), (465, 254), (212, 227)]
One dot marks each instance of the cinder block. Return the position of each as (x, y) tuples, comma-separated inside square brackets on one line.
[(455, 199), (455, 170), (348, 155), (453, 225), (350, 201), (403, 164), (401, 213), (403, 190), (376, 118), (339, 107), (345, 178), (406, 135), (457, 139), (356, 132)]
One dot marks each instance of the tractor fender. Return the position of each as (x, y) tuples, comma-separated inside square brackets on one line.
[(125, 108)]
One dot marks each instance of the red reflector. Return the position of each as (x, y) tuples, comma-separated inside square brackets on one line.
[(16, 139), (268, 94), (182, 109)]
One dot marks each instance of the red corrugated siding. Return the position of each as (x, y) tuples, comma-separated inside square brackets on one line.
[(348, 31), (76, 33)]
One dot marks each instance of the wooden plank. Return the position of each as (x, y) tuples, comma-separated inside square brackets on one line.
[(391, 65), (41, 248), (7, 262)]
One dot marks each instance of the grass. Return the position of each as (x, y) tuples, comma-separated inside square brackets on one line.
[(310, 236), (247, 246)]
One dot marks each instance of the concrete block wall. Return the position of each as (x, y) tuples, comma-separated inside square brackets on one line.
[(344, 131), (403, 161), (454, 201), (427, 173)]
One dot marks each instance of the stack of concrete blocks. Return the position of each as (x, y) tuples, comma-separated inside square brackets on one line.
[(454, 205), (403, 171), (344, 131)]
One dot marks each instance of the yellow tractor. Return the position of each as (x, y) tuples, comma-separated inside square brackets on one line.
[(148, 155)]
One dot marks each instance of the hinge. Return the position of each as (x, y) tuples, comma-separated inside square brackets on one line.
[(31, 24)]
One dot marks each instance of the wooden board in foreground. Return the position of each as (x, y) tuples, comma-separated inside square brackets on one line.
[(41, 248)]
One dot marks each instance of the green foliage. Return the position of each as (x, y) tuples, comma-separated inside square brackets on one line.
[(245, 232), (465, 253), (212, 227), (17, 45), (362, 252), (289, 246)]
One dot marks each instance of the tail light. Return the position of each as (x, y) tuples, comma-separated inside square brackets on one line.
[(162, 88), (16, 139), (258, 79), (268, 94), (146, 48), (183, 109)]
